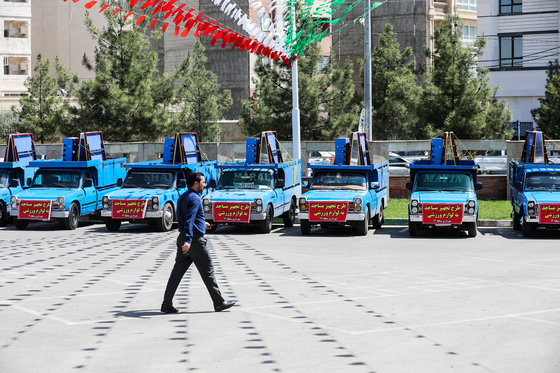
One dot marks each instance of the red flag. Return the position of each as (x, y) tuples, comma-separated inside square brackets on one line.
[(198, 28), (116, 11), (103, 8), (164, 28), (90, 4), (140, 19), (129, 14), (177, 31), (189, 25), (133, 2), (153, 24)]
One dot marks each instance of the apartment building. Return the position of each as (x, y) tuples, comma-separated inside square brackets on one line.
[(15, 46), (522, 37)]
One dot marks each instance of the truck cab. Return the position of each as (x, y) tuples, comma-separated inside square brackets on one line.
[(256, 191), (535, 188), (443, 191), (350, 192), (150, 191), (71, 188)]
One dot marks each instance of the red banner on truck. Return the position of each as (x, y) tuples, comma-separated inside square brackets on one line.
[(549, 213), (34, 209), (442, 213), (128, 208), (231, 212), (328, 211)]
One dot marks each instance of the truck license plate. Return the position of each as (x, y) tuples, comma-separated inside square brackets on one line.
[(442, 213)]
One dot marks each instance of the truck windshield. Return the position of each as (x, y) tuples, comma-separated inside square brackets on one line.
[(543, 180), (149, 179), (443, 181), (3, 179), (245, 180), (339, 180), (56, 179)]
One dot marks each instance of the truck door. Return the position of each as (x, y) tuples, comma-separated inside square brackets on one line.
[(89, 203)]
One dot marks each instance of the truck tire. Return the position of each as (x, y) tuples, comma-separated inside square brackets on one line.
[(165, 223), (71, 222), (3, 215), (528, 229), (379, 219), (413, 228), (21, 224), (305, 227), (289, 216), (364, 225), (516, 221), (471, 229), (112, 225), (266, 224)]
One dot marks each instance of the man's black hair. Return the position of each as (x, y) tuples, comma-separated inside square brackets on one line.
[(195, 176)]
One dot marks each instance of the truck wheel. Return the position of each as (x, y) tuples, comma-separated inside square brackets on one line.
[(166, 222), (266, 224), (379, 219), (21, 224), (3, 215), (471, 229), (413, 228), (516, 221), (289, 216), (528, 229), (364, 225), (112, 225), (71, 222), (305, 226)]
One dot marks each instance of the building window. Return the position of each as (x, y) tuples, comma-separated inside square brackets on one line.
[(467, 5), (511, 51), (510, 6), (469, 35)]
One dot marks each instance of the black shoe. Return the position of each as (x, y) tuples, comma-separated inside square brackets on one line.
[(224, 306), (168, 309)]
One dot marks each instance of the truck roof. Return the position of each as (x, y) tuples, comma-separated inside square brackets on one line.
[(13, 165), (541, 168), (160, 166), (425, 164), (345, 167), (254, 166), (59, 163)]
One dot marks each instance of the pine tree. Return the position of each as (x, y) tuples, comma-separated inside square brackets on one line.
[(547, 116), (39, 111), (327, 99), (456, 98), (198, 95), (128, 99)]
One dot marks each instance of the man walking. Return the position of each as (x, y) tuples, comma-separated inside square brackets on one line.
[(191, 247)]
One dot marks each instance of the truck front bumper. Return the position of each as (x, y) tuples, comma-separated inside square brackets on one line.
[(54, 214), (466, 218), (350, 217), (148, 215)]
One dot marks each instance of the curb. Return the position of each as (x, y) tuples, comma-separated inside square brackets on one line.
[(389, 221)]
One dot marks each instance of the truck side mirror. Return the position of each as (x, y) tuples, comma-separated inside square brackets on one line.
[(305, 184), (119, 182), (14, 183), (409, 186), (477, 186), (518, 185), (212, 184), (29, 181), (181, 184), (374, 185), (279, 183), (88, 183)]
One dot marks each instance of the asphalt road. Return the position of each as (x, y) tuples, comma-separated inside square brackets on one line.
[(88, 301)]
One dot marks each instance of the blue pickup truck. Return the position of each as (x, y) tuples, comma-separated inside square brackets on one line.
[(443, 191), (15, 170), (65, 190), (151, 189), (351, 192), (535, 188), (255, 191)]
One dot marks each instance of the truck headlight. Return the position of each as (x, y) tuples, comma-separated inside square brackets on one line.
[(206, 202), (155, 203), (13, 202), (60, 201), (259, 209), (206, 208), (531, 207), (471, 210), (472, 203), (258, 202), (414, 203), (414, 210), (357, 202)]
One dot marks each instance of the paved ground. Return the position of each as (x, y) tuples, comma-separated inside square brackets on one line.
[(88, 300)]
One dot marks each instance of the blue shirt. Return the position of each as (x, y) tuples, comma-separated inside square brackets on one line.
[(190, 215)]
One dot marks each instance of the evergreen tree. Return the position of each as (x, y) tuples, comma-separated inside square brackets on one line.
[(547, 116), (128, 100), (199, 97), (395, 93), (39, 111), (9, 123), (456, 98), (327, 99)]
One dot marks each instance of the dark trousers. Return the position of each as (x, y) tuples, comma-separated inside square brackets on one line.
[(198, 253)]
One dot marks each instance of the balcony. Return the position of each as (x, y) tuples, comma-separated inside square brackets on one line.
[(441, 7)]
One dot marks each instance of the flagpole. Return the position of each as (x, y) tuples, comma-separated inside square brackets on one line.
[(296, 142), (367, 68)]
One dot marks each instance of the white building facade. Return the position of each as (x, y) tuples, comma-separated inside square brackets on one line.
[(15, 46), (522, 37)]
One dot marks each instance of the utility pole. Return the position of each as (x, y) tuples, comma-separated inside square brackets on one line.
[(296, 142), (367, 68)]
